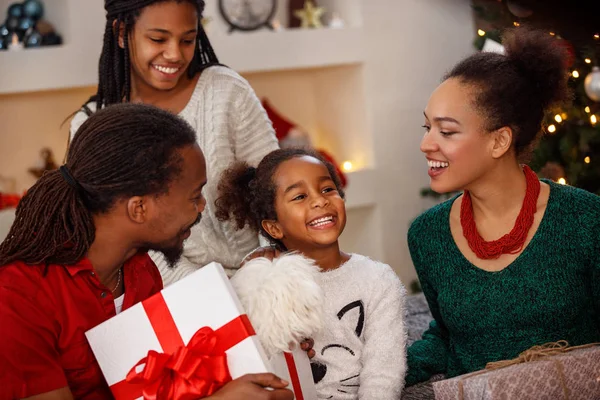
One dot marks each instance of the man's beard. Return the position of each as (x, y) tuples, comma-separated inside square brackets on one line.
[(173, 254)]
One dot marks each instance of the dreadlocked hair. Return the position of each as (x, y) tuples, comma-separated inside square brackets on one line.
[(114, 84), (122, 151), (247, 194)]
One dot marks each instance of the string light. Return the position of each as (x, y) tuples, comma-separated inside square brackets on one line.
[(593, 119), (597, 36), (347, 166), (516, 23), (588, 61), (558, 118), (481, 32), (587, 159), (562, 181), (564, 116), (552, 33), (551, 128), (587, 109), (575, 74)]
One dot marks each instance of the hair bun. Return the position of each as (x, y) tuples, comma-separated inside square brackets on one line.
[(542, 59)]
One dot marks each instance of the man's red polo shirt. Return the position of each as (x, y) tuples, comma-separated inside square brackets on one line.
[(44, 314)]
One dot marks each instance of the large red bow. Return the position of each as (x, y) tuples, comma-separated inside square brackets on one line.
[(194, 371)]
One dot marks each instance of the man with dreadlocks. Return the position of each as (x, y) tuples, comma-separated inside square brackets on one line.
[(156, 52), (76, 254)]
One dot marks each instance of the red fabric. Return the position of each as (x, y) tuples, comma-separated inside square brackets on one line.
[(44, 320), (512, 242), (9, 200), (281, 124)]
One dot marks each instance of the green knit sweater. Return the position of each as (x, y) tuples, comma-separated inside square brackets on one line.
[(550, 292)]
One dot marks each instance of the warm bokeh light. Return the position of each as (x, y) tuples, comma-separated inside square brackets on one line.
[(347, 166)]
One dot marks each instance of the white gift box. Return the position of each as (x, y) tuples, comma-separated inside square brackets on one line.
[(294, 367), (169, 319)]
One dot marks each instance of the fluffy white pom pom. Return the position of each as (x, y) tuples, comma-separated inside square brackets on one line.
[(282, 298)]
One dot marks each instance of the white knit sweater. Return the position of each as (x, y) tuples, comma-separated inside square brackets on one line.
[(361, 353), (231, 125)]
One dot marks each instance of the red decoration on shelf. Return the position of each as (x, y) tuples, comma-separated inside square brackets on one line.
[(9, 200), (512, 242), (289, 135)]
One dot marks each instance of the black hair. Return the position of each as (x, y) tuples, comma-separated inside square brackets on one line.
[(247, 194), (122, 151), (114, 84), (517, 88)]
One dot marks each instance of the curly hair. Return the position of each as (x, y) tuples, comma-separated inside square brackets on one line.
[(114, 65), (247, 194), (122, 151), (518, 88)]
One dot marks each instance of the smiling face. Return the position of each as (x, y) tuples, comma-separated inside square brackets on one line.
[(175, 213), (311, 214), (162, 44), (457, 147)]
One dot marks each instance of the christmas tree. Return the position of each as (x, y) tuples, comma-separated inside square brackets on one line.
[(569, 151)]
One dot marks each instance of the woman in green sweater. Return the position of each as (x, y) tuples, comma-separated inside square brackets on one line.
[(512, 262)]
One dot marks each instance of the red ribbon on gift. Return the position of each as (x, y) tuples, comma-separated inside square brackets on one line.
[(291, 364), (182, 372)]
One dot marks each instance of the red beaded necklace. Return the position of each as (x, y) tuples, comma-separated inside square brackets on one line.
[(512, 242)]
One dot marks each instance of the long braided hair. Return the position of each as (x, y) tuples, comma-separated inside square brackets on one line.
[(114, 68), (121, 151)]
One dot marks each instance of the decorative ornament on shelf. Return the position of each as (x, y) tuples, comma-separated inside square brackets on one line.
[(336, 22), (310, 16), (592, 84), (24, 27), (517, 9), (290, 135), (247, 15), (45, 163), (15, 44)]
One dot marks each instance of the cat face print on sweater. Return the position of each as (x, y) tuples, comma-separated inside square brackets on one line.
[(337, 364)]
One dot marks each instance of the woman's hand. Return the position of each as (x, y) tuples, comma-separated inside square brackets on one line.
[(307, 345), (268, 252), (254, 387)]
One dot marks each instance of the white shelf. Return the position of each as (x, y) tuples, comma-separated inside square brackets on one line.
[(360, 192), (289, 49), (75, 64)]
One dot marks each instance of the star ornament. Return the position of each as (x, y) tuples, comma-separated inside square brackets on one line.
[(310, 15)]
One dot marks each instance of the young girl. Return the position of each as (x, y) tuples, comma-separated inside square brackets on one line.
[(156, 52), (294, 198)]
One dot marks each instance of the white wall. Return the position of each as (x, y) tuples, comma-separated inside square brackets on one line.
[(412, 44)]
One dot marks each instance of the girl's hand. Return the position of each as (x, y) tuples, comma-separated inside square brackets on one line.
[(268, 252), (307, 346), (254, 387)]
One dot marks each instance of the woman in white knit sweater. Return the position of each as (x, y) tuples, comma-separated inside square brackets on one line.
[(157, 52)]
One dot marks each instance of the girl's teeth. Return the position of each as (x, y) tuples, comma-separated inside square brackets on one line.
[(321, 221), (166, 70), (437, 164)]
